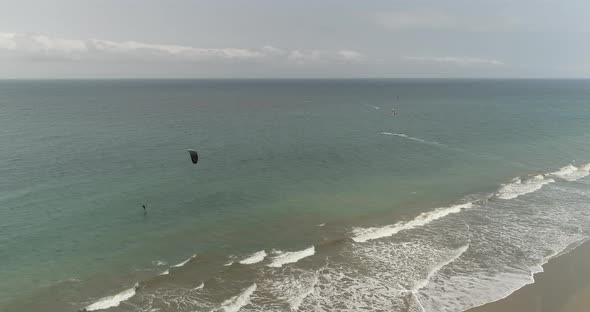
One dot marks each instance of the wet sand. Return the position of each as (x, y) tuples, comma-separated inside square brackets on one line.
[(564, 286)]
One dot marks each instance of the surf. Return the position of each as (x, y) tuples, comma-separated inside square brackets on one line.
[(422, 252), (290, 257), (517, 187), (362, 235), (254, 258), (572, 173), (181, 264), (112, 301), (234, 304)]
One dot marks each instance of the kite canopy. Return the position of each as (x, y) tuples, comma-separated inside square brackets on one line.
[(194, 156)]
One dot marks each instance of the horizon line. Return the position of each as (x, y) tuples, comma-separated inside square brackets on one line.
[(297, 78)]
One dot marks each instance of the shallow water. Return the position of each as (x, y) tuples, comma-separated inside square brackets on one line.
[(447, 193)]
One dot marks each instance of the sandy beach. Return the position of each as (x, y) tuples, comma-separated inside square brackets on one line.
[(564, 286)]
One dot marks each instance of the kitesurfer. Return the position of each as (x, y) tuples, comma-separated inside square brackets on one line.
[(194, 156)]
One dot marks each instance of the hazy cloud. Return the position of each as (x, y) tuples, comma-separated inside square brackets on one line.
[(349, 55), (49, 48), (460, 61), (341, 56), (261, 38)]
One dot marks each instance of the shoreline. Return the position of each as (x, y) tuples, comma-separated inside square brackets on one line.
[(563, 286)]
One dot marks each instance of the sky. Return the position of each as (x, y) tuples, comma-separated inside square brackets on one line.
[(294, 39)]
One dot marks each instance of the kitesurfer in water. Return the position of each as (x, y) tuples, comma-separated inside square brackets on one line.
[(194, 156), (144, 210)]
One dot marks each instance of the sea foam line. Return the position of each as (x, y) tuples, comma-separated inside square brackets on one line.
[(184, 262), (364, 234), (538, 268), (112, 301), (458, 253), (291, 257), (405, 136), (234, 304), (254, 258)]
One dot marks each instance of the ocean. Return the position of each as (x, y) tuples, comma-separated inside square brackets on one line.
[(309, 195)]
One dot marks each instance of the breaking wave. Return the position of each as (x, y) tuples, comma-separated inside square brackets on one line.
[(165, 272), (234, 304), (446, 260), (254, 258), (572, 173), (518, 187), (184, 262), (112, 301), (365, 234), (291, 257), (201, 286)]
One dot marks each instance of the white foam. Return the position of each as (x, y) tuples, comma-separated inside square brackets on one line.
[(159, 262), (234, 304), (229, 263), (517, 187), (112, 301), (165, 272), (254, 258), (438, 267), (572, 173), (291, 257), (184, 262), (405, 136), (200, 286), (296, 300), (322, 224), (365, 234)]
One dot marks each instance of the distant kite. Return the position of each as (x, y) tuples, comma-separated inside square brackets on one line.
[(194, 156)]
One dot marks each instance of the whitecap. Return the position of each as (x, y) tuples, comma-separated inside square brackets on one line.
[(291, 257), (184, 262), (296, 300), (572, 173), (517, 187), (112, 301), (200, 286), (234, 304), (365, 234), (254, 258)]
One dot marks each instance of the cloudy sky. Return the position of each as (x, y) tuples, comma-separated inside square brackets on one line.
[(304, 38)]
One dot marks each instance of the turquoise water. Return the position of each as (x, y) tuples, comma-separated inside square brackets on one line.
[(277, 159)]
